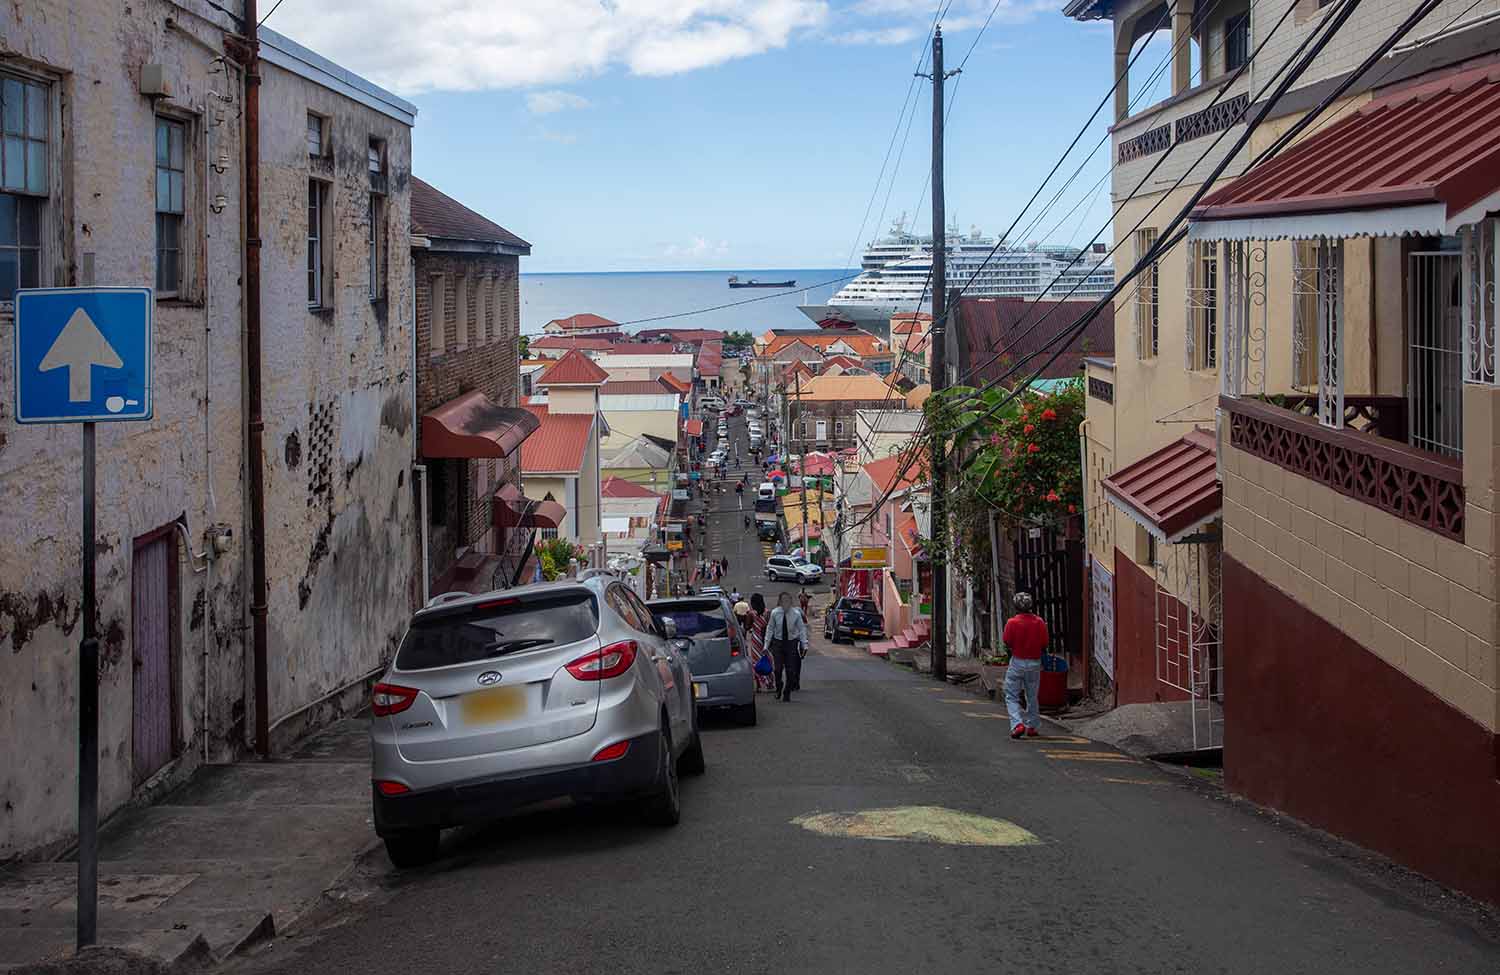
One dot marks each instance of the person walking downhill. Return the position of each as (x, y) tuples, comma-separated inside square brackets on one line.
[(787, 631), (1025, 636)]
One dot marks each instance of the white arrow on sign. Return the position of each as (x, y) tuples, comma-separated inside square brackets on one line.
[(79, 347)]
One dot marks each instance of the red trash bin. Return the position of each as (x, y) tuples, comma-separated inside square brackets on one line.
[(1053, 692)]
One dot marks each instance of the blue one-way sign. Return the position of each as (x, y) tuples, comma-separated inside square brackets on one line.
[(83, 354)]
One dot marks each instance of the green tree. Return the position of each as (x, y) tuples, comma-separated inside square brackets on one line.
[(525, 345), (738, 340)]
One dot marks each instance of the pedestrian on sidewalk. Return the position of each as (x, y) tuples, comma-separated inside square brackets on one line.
[(1025, 636), (788, 632)]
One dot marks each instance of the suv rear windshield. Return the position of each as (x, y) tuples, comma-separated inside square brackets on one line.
[(859, 606), (695, 621), (493, 629)]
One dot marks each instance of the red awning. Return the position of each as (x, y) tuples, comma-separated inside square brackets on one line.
[(473, 425), (512, 509), (1420, 159), (1173, 490), (693, 428)]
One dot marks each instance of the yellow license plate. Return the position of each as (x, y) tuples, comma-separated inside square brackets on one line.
[(494, 704)]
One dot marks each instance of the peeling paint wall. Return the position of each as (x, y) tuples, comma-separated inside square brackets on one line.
[(340, 521), (99, 218)]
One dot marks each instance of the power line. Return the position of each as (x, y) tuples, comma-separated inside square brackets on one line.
[(270, 12), (1318, 38)]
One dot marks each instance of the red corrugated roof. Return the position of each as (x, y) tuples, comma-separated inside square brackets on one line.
[(884, 472), (863, 343), (582, 320), (618, 487), (710, 357), (1172, 489), (573, 369), (559, 444), (843, 360), (634, 387), (1437, 141), (436, 214), (590, 342), (670, 381), (1017, 328), (693, 428)]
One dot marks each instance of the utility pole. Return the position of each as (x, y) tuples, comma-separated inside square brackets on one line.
[(938, 459), (806, 533)]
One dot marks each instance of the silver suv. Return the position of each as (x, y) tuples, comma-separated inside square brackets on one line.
[(503, 700)]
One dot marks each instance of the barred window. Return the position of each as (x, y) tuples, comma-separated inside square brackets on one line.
[(1147, 308)]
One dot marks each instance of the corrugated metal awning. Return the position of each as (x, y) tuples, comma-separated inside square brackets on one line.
[(473, 425), (512, 509), (1173, 490), (1421, 160)]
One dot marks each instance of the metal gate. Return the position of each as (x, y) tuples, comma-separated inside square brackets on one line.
[(1103, 613), (153, 591), (1048, 566), (1434, 324), (1189, 624)]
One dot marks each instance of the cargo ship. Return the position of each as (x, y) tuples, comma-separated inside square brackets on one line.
[(735, 282)]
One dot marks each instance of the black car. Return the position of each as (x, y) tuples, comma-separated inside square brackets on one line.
[(850, 617)]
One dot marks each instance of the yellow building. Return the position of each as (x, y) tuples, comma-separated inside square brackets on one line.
[(1290, 462)]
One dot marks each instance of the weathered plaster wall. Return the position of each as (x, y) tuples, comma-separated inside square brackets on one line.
[(101, 212), (339, 512)]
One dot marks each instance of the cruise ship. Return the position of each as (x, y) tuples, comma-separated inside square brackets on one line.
[(896, 269)]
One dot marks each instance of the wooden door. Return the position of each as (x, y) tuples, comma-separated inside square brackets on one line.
[(153, 587)]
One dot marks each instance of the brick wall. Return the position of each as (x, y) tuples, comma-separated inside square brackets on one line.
[(481, 352)]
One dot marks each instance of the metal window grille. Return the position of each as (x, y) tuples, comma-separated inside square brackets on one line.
[(1330, 332), (1435, 355), (1189, 622), (1147, 312), (170, 177), (1304, 314), (1240, 317), (1202, 345), (314, 244), (374, 247), (1481, 271)]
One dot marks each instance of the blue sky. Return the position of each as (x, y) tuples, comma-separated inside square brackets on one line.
[(661, 134)]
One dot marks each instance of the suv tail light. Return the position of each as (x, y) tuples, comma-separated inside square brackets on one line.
[(391, 699), (843, 617), (604, 663)]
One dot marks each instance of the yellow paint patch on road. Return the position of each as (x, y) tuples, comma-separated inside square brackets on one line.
[(984, 714), (1074, 756), (955, 700), (1065, 740), (1134, 781), (919, 824)]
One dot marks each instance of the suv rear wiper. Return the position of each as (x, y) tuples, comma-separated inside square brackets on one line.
[(511, 646)]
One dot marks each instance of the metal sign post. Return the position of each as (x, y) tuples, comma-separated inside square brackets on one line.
[(83, 355)]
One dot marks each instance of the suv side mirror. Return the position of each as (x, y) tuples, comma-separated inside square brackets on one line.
[(669, 627)]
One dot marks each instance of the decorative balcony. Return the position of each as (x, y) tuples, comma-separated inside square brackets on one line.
[(1356, 460)]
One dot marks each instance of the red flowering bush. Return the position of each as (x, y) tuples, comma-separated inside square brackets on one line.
[(1040, 481)]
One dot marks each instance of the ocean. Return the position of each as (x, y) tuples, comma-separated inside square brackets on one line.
[(627, 296)]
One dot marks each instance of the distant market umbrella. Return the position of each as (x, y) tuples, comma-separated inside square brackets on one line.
[(777, 475), (817, 463)]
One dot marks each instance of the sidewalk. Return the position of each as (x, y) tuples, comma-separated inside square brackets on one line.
[(236, 854)]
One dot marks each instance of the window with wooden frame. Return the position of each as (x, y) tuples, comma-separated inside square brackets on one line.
[(1236, 41), (1147, 306), (1305, 296), (171, 179), (25, 125), (317, 216)]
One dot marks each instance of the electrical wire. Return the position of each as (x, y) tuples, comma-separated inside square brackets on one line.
[(1318, 39), (270, 12)]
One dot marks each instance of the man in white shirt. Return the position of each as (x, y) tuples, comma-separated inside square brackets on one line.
[(786, 631)]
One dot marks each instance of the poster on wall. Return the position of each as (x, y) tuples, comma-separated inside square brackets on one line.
[(1102, 612)]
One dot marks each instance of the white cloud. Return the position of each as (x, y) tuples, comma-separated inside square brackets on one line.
[(547, 102), (470, 45), (878, 36), (698, 247)]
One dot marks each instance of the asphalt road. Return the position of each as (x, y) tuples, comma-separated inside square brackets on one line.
[(1097, 863)]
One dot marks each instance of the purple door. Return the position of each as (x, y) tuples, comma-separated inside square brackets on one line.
[(153, 585)]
